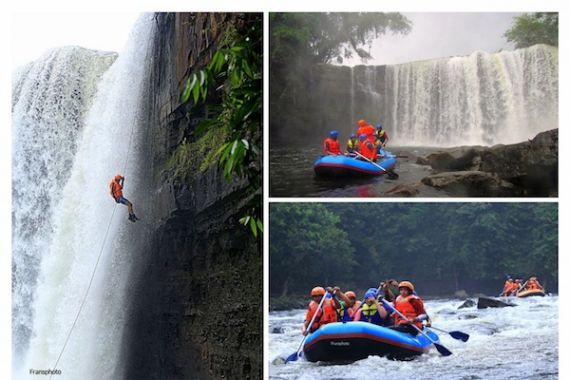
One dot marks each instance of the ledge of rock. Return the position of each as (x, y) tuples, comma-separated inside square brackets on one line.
[(470, 183)]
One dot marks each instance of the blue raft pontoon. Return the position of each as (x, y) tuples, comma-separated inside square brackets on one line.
[(351, 341), (344, 166)]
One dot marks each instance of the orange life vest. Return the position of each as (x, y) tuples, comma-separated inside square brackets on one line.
[(331, 146), (532, 285), (368, 130), (368, 150), (325, 315), (404, 306), (116, 189)]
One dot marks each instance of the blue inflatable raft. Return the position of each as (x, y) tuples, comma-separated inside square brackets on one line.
[(344, 166), (351, 341)]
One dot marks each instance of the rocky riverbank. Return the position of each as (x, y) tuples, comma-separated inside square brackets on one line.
[(526, 169)]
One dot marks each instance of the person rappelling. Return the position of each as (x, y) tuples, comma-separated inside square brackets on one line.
[(116, 189)]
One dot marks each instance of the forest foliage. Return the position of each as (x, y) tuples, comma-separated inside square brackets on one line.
[(442, 247), (534, 28), (235, 74)]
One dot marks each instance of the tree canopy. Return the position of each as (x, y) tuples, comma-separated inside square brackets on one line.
[(534, 28), (442, 247), (327, 37)]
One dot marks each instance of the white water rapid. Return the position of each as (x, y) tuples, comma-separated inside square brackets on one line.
[(480, 99), (71, 136), (510, 343)]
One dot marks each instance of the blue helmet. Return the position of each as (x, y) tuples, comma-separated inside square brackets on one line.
[(334, 134), (362, 137), (353, 135), (370, 293), (379, 126)]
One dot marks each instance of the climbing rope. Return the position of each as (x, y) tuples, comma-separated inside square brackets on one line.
[(96, 263)]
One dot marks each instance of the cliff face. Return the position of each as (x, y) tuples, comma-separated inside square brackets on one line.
[(197, 308)]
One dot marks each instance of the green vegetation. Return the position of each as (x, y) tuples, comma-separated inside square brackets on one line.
[(536, 28), (300, 41), (234, 74), (443, 247), (325, 37)]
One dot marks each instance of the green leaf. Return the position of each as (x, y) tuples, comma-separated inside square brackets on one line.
[(196, 92), (186, 93), (202, 77), (253, 227), (260, 225)]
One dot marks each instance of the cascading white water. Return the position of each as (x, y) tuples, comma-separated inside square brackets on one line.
[(51, 98), (114, 132), (481, 99)]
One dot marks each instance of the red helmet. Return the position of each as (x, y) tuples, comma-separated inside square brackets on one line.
[(350, 294), (318, 291), (118, 177)]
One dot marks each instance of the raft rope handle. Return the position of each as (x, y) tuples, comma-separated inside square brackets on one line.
[(96, 263)]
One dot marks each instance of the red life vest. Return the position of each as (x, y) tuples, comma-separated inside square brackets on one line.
[(404, 306), (368, 150), (322, 318), (331, 146), (116, 189)]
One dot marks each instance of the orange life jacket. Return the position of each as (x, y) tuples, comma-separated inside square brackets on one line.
[(325, 315), (509, 287), (532, 285), (116, 189), (331, 146), (368, 130), (368, 150), (404, 306)]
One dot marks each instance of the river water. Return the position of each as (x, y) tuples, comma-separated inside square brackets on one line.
[(291, 174), (509, 343)]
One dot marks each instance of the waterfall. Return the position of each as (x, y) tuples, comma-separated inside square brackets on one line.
[(63, 160), (480, 99), (51, 98)]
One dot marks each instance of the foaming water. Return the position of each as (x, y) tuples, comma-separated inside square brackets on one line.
[(509, 343), (112, 140)]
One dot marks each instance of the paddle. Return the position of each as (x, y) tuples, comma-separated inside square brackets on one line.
[(441, 349), (294, 356), (454, 334), (391, 173)]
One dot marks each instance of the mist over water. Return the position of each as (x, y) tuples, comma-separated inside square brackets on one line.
[(509, 343), (66, 150)]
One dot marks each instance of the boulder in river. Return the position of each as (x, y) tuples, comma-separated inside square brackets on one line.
[(470, 183), (485, 302), (404, 190), (531, 166), (466, 304), (468, 316), (277, 330)]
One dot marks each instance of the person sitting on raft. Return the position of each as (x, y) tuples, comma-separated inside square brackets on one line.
[(510, 287), (346, 304), (412, 307), (372, 311), (326, 314), (352, 145), (367, 149), (390, 289), (533, 284), (331, 145), (381, 137)]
